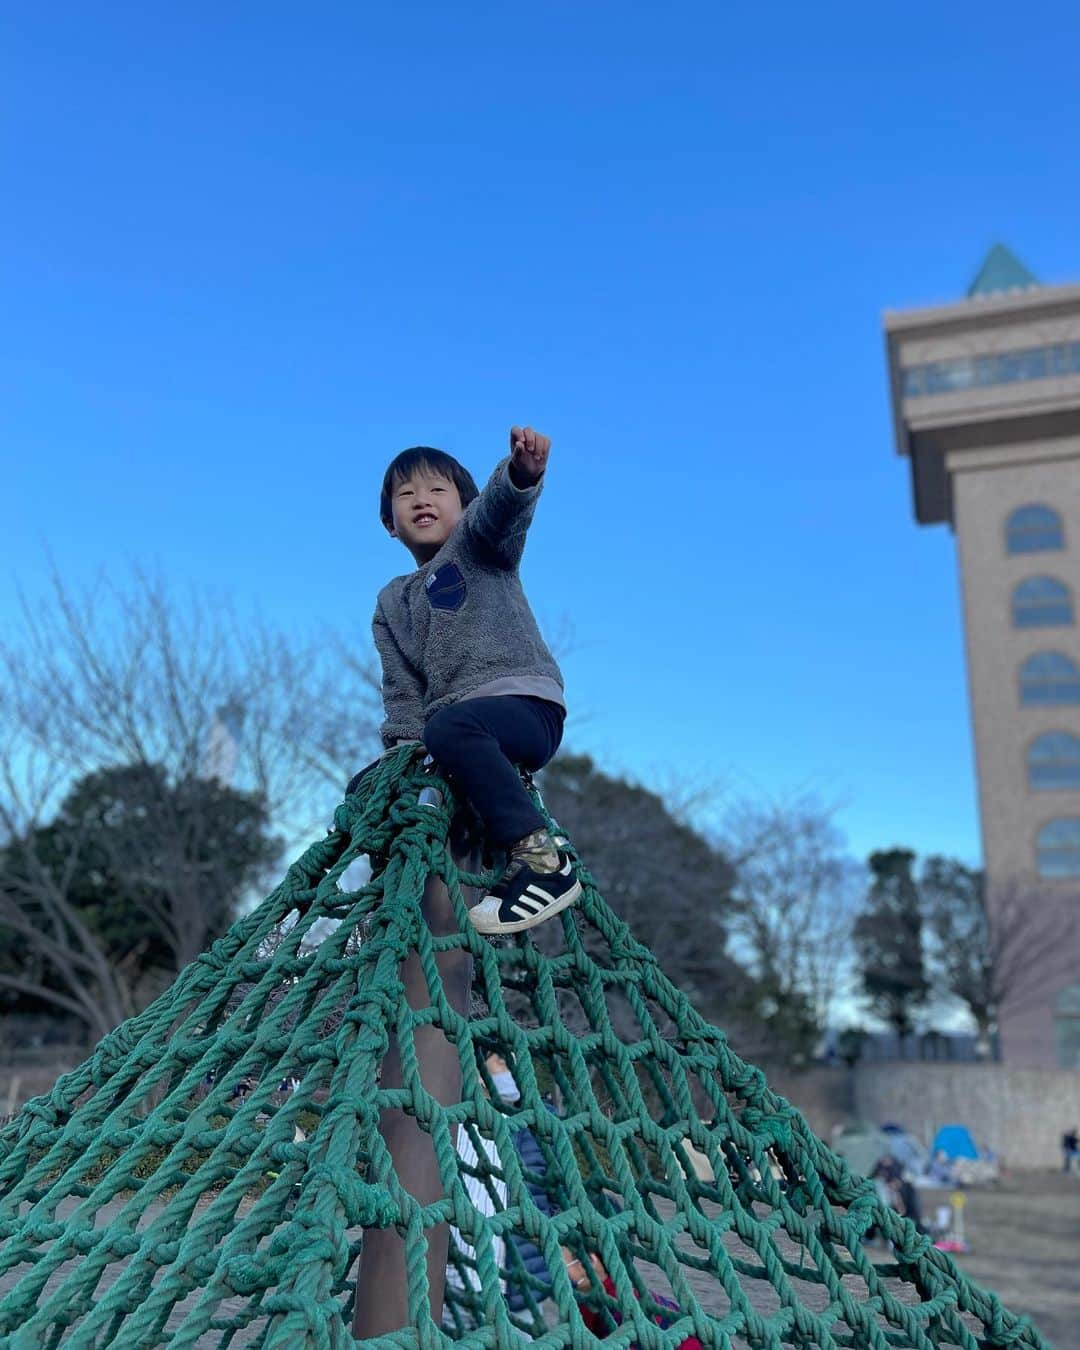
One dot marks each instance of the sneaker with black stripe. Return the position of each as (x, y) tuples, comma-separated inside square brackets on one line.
[(525, 896)]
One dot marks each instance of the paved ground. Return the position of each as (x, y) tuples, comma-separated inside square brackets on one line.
[(1025, 1245), (1024, 1235), (1025, 1238)]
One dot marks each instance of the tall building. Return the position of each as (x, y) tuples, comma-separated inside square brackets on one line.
[(986, 405)]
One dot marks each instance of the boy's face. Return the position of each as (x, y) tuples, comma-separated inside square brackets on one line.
[(425, 507)]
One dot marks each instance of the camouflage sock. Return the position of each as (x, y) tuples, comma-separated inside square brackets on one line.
[(538, 851)]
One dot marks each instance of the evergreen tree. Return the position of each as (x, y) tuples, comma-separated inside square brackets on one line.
[(665, 879), (131, 874), (888, 942)]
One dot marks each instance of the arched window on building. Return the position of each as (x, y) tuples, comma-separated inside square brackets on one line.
[(1034, 529), (1057, 848), (1047, 678), (1054, 762), (1067, 1027), (1042, 602)]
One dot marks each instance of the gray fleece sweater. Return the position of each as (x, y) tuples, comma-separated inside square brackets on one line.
[(459, 626)]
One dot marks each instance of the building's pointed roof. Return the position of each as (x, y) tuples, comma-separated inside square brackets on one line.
[(1001, 270)]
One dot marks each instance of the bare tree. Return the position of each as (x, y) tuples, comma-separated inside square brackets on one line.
[(992, 950), (131, 675), (175, 692), (794, 899), (60, 960)]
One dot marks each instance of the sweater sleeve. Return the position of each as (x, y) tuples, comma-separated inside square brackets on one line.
[(402, 687), (498, 520)]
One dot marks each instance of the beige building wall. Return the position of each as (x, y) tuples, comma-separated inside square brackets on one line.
[(1039, 932), (1010, 812), (978, 452)]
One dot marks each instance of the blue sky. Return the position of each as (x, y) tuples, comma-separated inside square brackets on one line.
[(251, 251)]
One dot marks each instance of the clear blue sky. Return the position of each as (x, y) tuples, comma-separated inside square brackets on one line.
[(250, 251)]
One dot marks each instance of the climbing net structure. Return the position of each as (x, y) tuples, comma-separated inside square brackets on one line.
[(169, 1191)]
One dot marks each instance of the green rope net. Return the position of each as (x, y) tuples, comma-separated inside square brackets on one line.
[(144, 1202)]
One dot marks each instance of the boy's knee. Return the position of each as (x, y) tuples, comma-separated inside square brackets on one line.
[(440, 731)]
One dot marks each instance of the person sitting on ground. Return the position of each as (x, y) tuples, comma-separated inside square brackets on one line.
[(486, 1189), (602, 1322), (533, 1264), (896, 1191), (464, 667), (940, 1169), (491, 1197), (527, 1271)]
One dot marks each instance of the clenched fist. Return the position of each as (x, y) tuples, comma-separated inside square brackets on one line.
[(528, 454)]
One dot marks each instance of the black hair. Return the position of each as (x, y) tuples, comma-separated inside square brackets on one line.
[(403, 467)]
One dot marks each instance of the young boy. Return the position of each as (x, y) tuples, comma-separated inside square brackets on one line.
[(464, 668)]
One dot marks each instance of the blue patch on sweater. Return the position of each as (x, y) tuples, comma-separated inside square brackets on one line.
[(445, 588)]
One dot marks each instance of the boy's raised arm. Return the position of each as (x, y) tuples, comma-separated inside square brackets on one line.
[(402, 691), (529, 452), (500, 517)]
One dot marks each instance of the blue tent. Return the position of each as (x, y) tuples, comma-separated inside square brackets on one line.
[(954, 1141)]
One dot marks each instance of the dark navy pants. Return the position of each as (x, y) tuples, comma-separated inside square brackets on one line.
[(478, 742)]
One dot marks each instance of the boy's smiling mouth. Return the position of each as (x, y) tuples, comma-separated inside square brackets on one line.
[(425, 518)]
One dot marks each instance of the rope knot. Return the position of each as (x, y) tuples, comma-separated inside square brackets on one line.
[(365, 1205), (772, 1128), (246, 1275)]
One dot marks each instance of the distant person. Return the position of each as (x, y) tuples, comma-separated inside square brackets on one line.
[(896, 1190), (939, 1171), (1070, 1147)]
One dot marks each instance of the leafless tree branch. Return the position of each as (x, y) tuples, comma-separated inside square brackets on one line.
[(128, 676)]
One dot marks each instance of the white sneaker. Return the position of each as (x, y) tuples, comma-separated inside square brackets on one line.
[(524, 897)]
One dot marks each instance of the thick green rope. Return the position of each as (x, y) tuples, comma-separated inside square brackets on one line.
[(141, 1207)]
